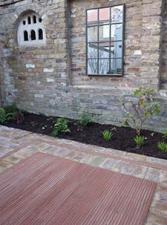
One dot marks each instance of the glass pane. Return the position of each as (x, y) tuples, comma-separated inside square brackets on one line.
[(104, 49), (40, 34), (92, 50), (104, 33), (34, 19), (116, 66), (104, 66), (117, 14), (25, 35), (104, 15), (33, 35), (92, 66), (92, 16), (29, 20), (92, 34), (116, 32), (116, 49)]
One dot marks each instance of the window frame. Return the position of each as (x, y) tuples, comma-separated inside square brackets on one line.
[(35, 26), (98, 25)]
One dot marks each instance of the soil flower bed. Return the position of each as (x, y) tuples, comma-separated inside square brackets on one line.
[(122, 137)]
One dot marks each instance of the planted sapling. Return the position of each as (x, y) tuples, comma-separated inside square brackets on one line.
[(61, 127), (139, 141), (107, 135)]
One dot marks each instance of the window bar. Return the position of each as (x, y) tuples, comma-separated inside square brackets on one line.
[(110, 23), (123, 38), (98, 27), (87, 42)]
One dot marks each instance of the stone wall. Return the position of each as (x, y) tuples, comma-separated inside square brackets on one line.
[(32, 72), (133, 51), (164, 47), (52, 79), (142, 27)]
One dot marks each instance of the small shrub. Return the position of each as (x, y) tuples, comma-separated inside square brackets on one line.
[(162, 146), (165, 135), (11, 108), (13, 113), (139, 141), (3, 116), (140, 109), (85, 120), (61, 127), (107, 135)]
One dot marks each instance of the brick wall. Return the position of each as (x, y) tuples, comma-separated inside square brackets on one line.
[(52, 79), (164, 47)]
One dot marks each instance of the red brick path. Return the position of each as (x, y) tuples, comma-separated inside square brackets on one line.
[(46, 190)]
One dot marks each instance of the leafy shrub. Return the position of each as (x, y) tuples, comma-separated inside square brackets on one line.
[(13, 113), (3, 115), (85, 120), (139, 141), (142, 108), (11, 108), (61, 127), (165, 135), (107, 135), (162, 146)]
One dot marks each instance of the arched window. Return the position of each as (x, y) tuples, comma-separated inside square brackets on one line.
[(31, 31), (33, 35), (29, 20), (40, 34), (25, 35), (34, 19)]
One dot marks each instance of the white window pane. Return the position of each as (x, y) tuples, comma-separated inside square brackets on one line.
[(116, 49), (116, 66), (92, 66), (116, 32), (92, 50), (104, 15), (92, 34), (117, 14), (104, 49), (104, 33), (92, 16), (104, 66)]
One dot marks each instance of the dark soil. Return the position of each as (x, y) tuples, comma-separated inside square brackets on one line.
[(122, 138)]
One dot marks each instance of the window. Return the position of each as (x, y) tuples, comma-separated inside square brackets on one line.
[(33, 35), (25, 35), (31, 31), (40, 34), (105, 28), (34, 19)]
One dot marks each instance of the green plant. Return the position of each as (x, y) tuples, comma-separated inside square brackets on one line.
[(60, 127), (162, 146), (107, 135), (13, 113), (139, 141), (140, 108), (85, 120), (3, 116), (11, 108), (165, 135)]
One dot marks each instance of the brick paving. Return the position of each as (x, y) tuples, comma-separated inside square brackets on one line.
[(16, 145)]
